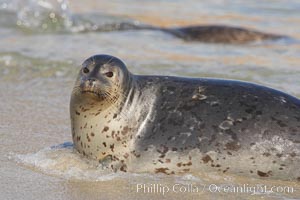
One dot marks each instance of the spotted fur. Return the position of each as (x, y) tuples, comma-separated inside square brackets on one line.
[(174, 125)]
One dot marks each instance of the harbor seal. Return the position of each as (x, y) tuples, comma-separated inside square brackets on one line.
[(174, 125), (200, 33)]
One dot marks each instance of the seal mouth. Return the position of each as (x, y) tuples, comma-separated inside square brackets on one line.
[(94, 93)]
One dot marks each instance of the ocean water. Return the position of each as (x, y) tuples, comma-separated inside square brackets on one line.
[(42, 45)]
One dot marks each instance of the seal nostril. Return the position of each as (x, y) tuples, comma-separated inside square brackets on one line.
[(91, 81)]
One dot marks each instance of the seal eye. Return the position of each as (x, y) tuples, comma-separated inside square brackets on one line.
[(109, 74), (86, 70)]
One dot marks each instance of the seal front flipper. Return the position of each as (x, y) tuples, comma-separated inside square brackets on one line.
[(113, 163), (105, 162)]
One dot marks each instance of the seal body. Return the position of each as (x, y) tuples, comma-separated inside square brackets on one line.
[(202, 33), (176, 125)]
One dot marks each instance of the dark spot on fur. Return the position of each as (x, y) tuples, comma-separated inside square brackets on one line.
[(112, 147), (104, 144), (161, 170), (233, 146), (279, 122), (266, 154), (135, 154), (92, 134), (77, 113), (225, 170), (258, 112), (97, 113), (279, 155), (293, 154), (115, 116), (114, 158), (123, 168), (125, 130), (264, 174), (206, 159), (84, 109), (249, 110), (187, 164), (105, 129), (163, 150)]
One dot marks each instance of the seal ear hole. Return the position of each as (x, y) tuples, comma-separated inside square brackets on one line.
[(86, 70), (109, 74)]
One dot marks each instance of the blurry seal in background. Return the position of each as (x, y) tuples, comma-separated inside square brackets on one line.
[(201, 33), (175, 125)]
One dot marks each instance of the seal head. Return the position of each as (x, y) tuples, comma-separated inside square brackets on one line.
[(100, 77)]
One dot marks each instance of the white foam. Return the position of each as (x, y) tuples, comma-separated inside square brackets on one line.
[(62, 161)]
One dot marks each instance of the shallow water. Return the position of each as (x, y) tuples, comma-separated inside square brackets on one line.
[(41, 53)]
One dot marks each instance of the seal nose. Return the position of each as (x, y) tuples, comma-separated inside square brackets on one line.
[(91, 81)]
